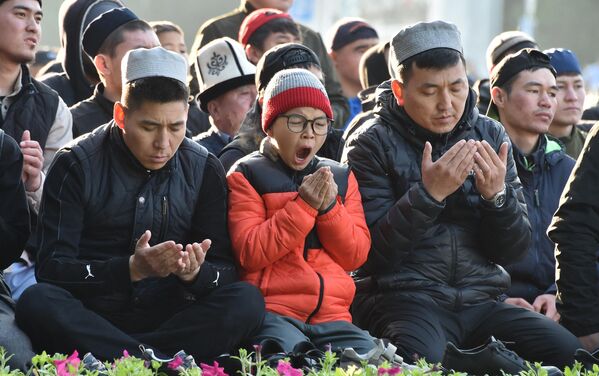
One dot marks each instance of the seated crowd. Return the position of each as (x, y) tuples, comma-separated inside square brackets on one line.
[(393, 215)]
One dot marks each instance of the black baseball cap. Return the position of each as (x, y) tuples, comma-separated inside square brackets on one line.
[(513, 64), (347, 31)]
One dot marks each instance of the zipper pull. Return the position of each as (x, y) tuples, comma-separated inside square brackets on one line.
[(164, 205), (537, 200)]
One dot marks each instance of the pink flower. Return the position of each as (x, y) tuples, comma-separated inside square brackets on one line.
[(125, 354), (389, 371), (212, 370), (258, 349), (68, 366), (285, 369), (175, 363)]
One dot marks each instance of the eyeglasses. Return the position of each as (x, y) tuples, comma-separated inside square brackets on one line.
[(297, 124)]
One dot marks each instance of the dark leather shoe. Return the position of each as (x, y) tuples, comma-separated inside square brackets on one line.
[(586, 358), (306, 356), (272, 352), (490, 358)]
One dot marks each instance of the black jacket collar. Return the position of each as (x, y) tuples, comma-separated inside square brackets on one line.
[(98, 97), (543, 154), (270, 151), (396, 116)]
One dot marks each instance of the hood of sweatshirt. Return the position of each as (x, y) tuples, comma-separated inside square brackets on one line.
[(73, 18)]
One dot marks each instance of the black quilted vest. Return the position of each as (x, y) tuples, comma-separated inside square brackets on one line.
[(34, 109)]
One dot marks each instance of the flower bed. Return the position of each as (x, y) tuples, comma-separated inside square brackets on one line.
[(251, 365)]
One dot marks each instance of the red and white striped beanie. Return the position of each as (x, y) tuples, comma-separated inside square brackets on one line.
[(292, 88)]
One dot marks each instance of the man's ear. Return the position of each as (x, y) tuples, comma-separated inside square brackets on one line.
[(213, 109), (103, 65), (253, 53), (119, 114), (397, 88), (333, 56), (498, 96)]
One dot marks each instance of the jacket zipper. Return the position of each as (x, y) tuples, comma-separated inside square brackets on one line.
[(320, 292), (453, 267), (454, 258), (320, 298), (537, 214), (164, 222)]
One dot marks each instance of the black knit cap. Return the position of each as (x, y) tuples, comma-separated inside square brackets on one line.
[(513, 64), (283, 56), (102, 26)]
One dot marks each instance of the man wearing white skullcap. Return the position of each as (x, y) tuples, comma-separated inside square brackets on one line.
[(133, 244)]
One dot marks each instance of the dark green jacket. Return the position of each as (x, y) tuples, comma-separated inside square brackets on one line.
[(575, 141)]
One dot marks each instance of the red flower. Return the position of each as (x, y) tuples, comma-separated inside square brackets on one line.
[(389, 371), (68, 366), (285, 369), (212, 370), (175, 363)]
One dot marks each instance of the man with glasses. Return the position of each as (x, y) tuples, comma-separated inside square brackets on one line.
[(293, 214)]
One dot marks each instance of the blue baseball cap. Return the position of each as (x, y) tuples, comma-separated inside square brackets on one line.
[(564, 61)]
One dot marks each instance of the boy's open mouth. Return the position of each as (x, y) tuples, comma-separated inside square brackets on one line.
[(302, 154)]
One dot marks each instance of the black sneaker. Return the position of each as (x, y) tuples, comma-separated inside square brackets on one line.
[(181, 361), (382, 352), (491, 358), (272, 351), (90, 363), (306, 356), (586, 358)]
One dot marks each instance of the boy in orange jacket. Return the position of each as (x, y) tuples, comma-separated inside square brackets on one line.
[(297, 224)]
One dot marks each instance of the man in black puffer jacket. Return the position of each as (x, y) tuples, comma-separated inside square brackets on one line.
[(445, 209)]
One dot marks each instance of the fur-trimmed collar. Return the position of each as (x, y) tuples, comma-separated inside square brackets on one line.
[(269, 150)]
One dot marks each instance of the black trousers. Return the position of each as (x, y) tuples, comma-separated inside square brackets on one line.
[(423, 328), (212, 325)]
